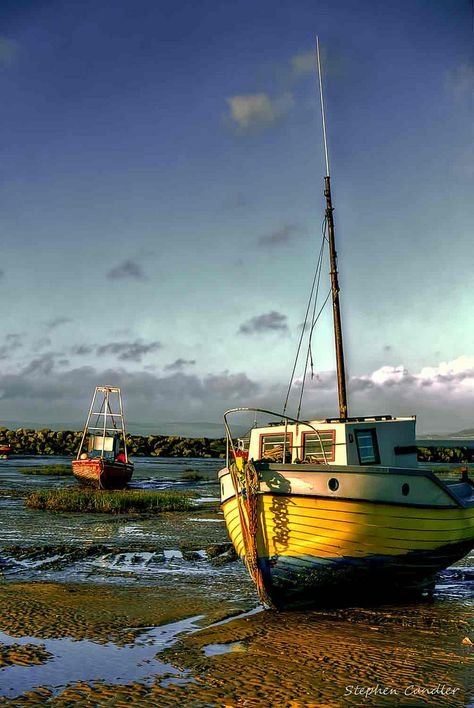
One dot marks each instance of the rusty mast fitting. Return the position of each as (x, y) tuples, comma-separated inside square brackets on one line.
[(340, 367)]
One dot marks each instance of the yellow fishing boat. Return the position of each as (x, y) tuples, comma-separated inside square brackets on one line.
[(337, 508)]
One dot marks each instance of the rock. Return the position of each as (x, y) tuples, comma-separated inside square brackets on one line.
[(228, 557), (217, 549)]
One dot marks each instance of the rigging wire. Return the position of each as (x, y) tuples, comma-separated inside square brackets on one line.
[(309, 354), (303, 328), (313, 298)]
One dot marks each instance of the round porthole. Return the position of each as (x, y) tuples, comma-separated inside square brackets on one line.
[(333, 484), (405, 489)]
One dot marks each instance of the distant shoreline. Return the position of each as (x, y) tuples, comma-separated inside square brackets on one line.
[(26, 441)]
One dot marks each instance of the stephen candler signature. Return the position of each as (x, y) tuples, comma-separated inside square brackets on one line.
[(441, 689)]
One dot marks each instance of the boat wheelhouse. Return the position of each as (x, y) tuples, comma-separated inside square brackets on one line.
[(371, 440)]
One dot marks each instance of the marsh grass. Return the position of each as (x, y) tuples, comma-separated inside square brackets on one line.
[(56, 470), (194, 476), (131, 501)]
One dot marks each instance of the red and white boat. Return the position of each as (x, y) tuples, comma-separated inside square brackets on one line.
[(102, 459)]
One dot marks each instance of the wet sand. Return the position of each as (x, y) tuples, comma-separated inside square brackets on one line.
[(200, 658), (153, 611)]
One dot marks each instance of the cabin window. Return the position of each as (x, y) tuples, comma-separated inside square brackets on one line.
[(367, 447), (272, 444), (319, 446)]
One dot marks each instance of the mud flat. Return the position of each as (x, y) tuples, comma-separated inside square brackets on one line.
[(166, 647), (155, 611)]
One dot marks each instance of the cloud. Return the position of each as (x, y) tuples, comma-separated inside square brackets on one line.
[(179, 364), (82, 349), (56, 322), (40, 366), (123, 350), (453, 376), (456, 375), (322, 380), (280, 236), (269, 322), (258, 110), (8, 51), (13, 342), (128, 351), (303, 63), (42, 343), (440, 396), (2, 274), (127, 270), (45, 391)]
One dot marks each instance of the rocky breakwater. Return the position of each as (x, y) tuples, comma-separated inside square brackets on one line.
[(25, 441), (446, 454)]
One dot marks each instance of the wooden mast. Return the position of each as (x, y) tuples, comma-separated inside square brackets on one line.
[(340, 367)]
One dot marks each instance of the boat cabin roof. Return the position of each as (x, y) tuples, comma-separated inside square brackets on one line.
[(356, 419)]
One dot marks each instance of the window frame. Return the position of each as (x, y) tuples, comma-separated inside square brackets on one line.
[(305, 433), (375, 445), (289, 447)]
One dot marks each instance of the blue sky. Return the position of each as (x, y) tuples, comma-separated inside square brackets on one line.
[(161, 205)]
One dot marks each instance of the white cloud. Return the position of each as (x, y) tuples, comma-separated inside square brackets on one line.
[(258, 110), (451, 376), (456, 373), (440, 396)]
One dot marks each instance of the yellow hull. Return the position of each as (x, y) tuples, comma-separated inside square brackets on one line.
[(307, 544), (297, 526)]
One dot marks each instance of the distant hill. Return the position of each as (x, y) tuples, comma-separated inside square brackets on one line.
[(467, 433)]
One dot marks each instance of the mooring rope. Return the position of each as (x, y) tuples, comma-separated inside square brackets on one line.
[(246, 486)]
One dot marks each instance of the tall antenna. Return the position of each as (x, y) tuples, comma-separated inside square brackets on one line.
[(321, 101), (340, 367)]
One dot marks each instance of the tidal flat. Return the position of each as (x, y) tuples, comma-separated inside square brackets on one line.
[(154, 610)]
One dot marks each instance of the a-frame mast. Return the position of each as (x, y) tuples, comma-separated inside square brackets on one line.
[(340, 367)]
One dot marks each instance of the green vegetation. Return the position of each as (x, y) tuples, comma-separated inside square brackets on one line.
[(132, 501), (26, 441), (194, 476), (56, 470)]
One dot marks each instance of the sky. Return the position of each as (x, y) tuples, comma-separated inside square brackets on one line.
[(161, 202)]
